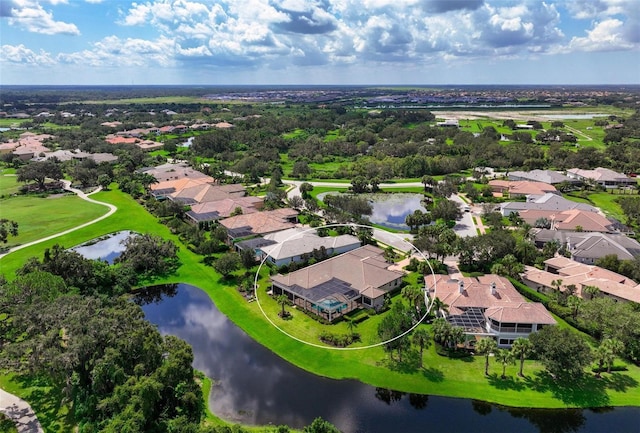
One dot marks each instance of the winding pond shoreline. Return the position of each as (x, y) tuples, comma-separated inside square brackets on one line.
[(257, 387)]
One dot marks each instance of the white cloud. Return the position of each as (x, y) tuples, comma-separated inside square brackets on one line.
[(113, 51), (607, 35), (31, 16), (23, 55)]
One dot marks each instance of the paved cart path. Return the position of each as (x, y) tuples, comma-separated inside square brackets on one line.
[(20, 413)]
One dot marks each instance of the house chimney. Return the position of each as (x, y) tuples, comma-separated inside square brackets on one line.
[(460, 286), (493, 288)]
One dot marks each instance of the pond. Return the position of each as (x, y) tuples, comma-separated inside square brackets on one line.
[(255, 386), (390, 210), (106, 248)]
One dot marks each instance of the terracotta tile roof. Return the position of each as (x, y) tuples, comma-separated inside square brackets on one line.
[(364, 269), (223, 208), (504, 303), (259, 222), (581, 275), (570, 219), (522, 187)]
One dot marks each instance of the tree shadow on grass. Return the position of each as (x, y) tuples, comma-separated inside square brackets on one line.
[(433, 374), (585, 391), (508, 383), (46, 400), (410, 362), (619, 382)]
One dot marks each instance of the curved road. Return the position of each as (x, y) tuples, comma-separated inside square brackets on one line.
[(83, 196)]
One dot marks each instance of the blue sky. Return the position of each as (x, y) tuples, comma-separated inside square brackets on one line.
[(320, 42)]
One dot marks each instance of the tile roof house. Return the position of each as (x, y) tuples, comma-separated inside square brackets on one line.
[(587, 247), (164, 189), (546, 176), (292, 245), (574, 219), (521, 188), (546, 202), (259, 223), (488, 305), (173, 171), (570, 272), (602, 176), (215, 210), (333, 287), (199, 192)]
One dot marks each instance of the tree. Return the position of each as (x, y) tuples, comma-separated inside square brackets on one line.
[(248, 258), (509, 266), (296, 202), (301, 169), (447, 210), (439, 306), (428, 182), (563, 353), (227, 263), (320, 426), (485, 347), (305, 189), (574, 303), (282, 300), (104, 180), (359, 185), (422, 339), (7, 228), (39, 171), (148, 255), (415, 296), (521, 348), (613, 346), (504, 357)]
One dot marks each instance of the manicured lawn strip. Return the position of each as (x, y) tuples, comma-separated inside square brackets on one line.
[(8, 184), (441, 376), (40, 217), (607, 202)]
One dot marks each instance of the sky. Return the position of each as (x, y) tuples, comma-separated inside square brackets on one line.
[(319, 42)]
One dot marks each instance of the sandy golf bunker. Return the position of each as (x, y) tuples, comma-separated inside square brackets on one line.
[(330, 292)]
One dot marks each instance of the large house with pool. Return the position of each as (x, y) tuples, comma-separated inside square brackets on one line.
[(488, 306), (336, 286)]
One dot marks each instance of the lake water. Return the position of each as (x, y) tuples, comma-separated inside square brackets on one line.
[(255, 386), (107, 248), (390, 210)]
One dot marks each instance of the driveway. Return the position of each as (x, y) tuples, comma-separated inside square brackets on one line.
[(465, 226)]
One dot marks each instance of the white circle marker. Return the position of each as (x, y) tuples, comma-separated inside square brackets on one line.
[(428, 304)]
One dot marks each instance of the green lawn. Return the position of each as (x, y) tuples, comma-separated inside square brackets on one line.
[(8, 185), (40, 217), (606, 201), (440, 376)]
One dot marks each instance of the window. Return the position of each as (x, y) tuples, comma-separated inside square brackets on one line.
[(366, 301)]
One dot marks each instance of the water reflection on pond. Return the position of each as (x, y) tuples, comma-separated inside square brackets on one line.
[(390, 210), (107, 248), (254, 386)]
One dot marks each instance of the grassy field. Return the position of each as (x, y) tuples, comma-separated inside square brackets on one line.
[(151, 100), (606, 201), (12, 123), (8, 185), (440, 376), (40, 217)]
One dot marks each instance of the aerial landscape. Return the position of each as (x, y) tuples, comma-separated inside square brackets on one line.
[(319, 216)]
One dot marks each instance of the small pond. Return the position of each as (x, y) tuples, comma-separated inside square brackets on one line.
[(106, 248), (255, 386), (390, 210)]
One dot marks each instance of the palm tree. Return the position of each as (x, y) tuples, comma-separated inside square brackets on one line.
[(592, 291), (282, 300), (556, 284), (351, 325), (505, 357), (601, 355), (413, 294), (521, 348), (485, 347), (439, 306), (422, 339), (574, 303), (614, 347)]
